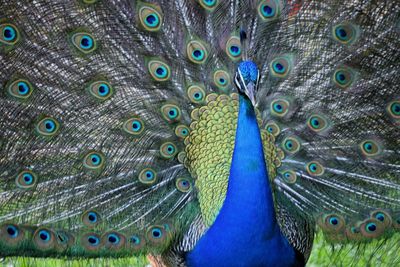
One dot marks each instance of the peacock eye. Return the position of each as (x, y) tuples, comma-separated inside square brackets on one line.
[(279, 107), (148, 176), (133, 126), (182, 131), (196, 94), (233, 48), (183, 185), (280, 67), (314, 168), (171, 112), (47, 127), (84, 42), (208, 4), (9, 34), (94, 160), (345, 33), (291, 145), (221, 79), (269, 10), (26, 179), (196, 52), (394, 109), (101, 90), (168, 150), (159, 70), (317, 123), (150, 18), (156, 234)]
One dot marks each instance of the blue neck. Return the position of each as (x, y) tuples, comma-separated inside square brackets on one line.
[(245, 232)]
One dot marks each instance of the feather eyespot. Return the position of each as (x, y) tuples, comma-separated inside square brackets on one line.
[(196, 52), (221, 79), (133, 126), (196, 94), (370, 148), (11, 234), (182, 131), (114, 240), (289, 177), (159, 70), (26, 179), (148, 176), (273, 128), (94, 160), (84, 42), (279, 107), (208, 4), (101, 90), (317, 123), (269, 10), (90, 241), (47, 127), (372, 228), (44, 239), (9, 34), (291, 145), (314, 168), (150, 18), (136, 242), (233, 48), (171, 112), (156, 234), (343, 77), (383, 217), (394, 109), (168, 150), (20, 89), (183, 185), (280, 67), (345, 33), (332, 223), (91, 218)]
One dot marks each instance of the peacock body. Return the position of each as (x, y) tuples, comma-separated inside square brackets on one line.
[(205, 132)]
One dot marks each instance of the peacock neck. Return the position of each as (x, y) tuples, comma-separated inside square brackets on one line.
[(247, 217)]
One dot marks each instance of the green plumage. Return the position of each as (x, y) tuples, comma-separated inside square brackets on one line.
[(117, 121)]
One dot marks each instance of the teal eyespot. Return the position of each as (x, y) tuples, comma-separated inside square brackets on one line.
[(209, 5), (12, 231), (221, 79), (159, 70), (91, 218), (171, 112), (345, 33), (26, 179), (133, 126), (168, 150), (233, 48), (196, 94), (317, 123), (291, 145), (93, 240), (20, 89), (343, 77), (332, 223), (101, 90), (136, 242), (394, 109), (84, 42), (280, 67), (269, 10), (94, 160), (150, 17), (273, 128), (183, 185), (370, 148), (44, 239), (148, 176), (182, 131), (47, 127), (289, 177), (371, 227), (279, 107), (314, 168), (114, 240), (9, 34), (156, 234), (196, 52)]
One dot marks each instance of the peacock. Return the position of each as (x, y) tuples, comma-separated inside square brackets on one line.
[(202, 132)]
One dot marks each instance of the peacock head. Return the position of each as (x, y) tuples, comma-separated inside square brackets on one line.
[(247, 78)]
